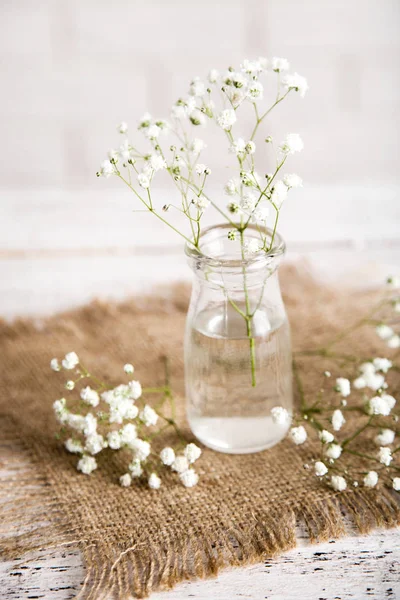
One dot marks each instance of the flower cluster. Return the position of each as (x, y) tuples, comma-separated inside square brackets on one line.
[(366, 398), (118, 418)]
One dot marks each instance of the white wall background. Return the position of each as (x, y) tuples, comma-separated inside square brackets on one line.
[(70, 71)]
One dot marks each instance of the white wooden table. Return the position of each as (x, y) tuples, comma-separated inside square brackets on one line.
[(61, 249)]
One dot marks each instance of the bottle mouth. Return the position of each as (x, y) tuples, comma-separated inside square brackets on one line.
[(216, 250)]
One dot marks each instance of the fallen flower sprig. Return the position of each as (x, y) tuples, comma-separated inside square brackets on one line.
[(119, 418), (366, 397)]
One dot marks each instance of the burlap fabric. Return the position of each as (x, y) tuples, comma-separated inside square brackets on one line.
[(135, 540)]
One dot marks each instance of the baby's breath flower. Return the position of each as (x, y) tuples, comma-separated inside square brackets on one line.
[(125, 151), (384, 331), (234, 207), (298, 435), (128, 434), (333, 451), (180, 464), (394, 342), (326, 437), (189, 478), (144, 180), (154, 481), (157, 162), (106, 169), (76, 422), (252, 247), (114, 440), (338, 483), (343, 386), (141, 449), (87, 464), (74, 446), (292, 180), (250, 147), (135, 389), (201, 203), (320, 469), (338, 420), (198, 145), (385, 437), (148, 416), (280, 415), (54, 364), (128, 368), (396, 484), (260, 214), (232, 235), (90, 396), (192, 453), (153, 132), (327, 373), (122, 127), (135, 468), (380, 405), (292, 143), (385, 456), (125, 480), (296, 82), (90, 424), (226, 119), (167, 456), (70, 385), (238, 147), (371, 479), (393, 283), (382, 364), (232, 187), (202, 169), (213, 76), (279, 64), (279, 193), (255, 91), (197, 88), (94, 443), (70, 361)]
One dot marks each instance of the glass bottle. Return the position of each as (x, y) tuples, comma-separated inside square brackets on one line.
[(238, 362)]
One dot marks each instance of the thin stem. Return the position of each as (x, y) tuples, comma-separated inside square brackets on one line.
[(248, 318)]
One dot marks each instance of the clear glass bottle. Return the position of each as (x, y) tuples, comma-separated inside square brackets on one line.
[(238, 362)]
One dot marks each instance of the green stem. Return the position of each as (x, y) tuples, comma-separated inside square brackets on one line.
[(249, 318)]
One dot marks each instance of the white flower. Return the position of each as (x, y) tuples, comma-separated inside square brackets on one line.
[(135, 468), (157, 162), (113, 155), (382, 364), (320, 469), (279, 194), (197, 88), (144, 180), (141, 449), (371, 479), (55, 365), (128, 368), (385, 437), (338, 483), (213, 76), (145, 121), (180, 464), (106, 169), (70, 385), (250, 147), (394, 342), (73, 446), (333, 451), (396, 484), (87, 464), (326, 437), (292, 143), (296, 82), (90, 396), (148, 416), (226, 119), (197, 117), (343, 386), (232, 187), (154, 481), (385, 456), (197, 145), (125, 151), (279, 64), (238, 147), (167, 456), (369, 378), (338, 420), (202, 169), (70, 361), (90, 424), (94, 443), (384, 331), (396, 306), (76, 422), (255, 91), (114, 440), (380, 405), (192, 453), (125, 480), (280, 415), (189, 478), (201, 203), (249, 201), (298, 435), (135, 389), (261, 213), (393, 283), (291, 180), (153, 132), (252, 67), (252, 247), (128, 434), (122, 127)]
